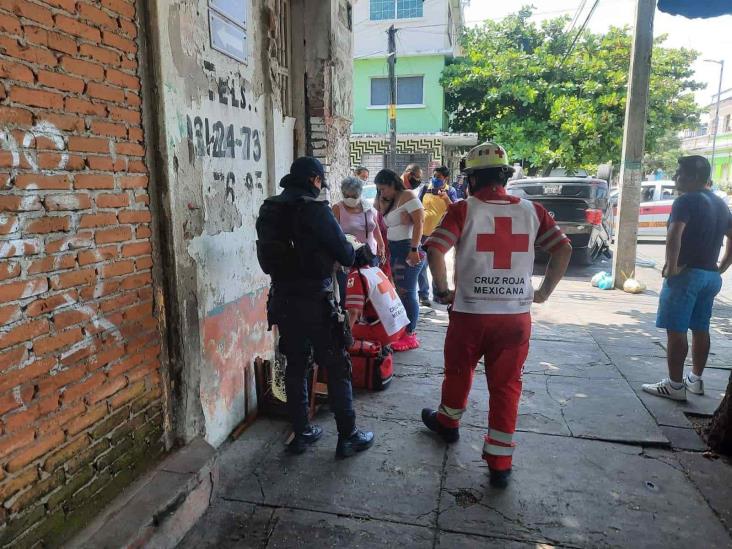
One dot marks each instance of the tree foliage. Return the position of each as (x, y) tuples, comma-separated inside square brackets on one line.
[(515, 84)]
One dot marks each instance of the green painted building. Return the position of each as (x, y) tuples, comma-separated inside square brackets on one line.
[(426, 39), (700, 141)]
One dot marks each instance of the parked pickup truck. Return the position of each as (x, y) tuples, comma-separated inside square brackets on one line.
[(579, 205)]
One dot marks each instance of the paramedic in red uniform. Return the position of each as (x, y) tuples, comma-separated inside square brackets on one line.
[(494, 235), (374, 309)]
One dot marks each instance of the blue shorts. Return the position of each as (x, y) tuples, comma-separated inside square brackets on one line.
[(687, 299)]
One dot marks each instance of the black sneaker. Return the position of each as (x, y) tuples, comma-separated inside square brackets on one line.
[(301, 441), (448, 434), (499, 479), (357, 442)]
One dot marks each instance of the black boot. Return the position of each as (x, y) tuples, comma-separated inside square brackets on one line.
[(302, 440), (499, 479), (357, 442), (448, 434)]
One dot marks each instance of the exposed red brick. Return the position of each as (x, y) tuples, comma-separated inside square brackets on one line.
[(36, 98), (105, 56), (16, 71), (87, 69), (47, 225), (94, 181), (77, 28), (136, 248), (120, 6), (9, 269), (43, 444), (118, 234), (50, 304), (106, 128), (108, 93), (22, 289), (133, 181), (23, 332), (101, 253), (97, 16), (52, 263), (75, 201), (88, 144), (112, 200), (60, 81), (71, 279)]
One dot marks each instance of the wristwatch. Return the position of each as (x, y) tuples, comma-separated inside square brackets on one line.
[(414, 248)]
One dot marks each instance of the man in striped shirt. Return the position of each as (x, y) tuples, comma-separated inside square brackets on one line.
[(495, 236)]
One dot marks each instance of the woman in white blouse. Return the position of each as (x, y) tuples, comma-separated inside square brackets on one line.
[(404, 216)]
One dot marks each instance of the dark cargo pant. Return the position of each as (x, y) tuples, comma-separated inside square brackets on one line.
[(309, 327)]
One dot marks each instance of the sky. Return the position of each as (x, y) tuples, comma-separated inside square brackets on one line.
[(711, 37)]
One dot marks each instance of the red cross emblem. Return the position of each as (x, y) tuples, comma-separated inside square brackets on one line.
[(503, 243), (499, 152), (385, 286)]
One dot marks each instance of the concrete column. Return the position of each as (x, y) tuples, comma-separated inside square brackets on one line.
[(631, 169)]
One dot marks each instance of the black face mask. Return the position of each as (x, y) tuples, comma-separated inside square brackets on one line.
[(416, 182)]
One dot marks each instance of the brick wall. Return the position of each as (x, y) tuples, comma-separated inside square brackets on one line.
[(80, 390)]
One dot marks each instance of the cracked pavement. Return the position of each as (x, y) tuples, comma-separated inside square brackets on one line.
[(593, 467)]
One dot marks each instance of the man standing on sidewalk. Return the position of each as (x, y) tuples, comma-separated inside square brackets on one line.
[(494, 235), (436, 196), (697, 226)]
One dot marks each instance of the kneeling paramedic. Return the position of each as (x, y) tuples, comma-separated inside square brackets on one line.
[(374, 309), (299, 243), (494, 235)]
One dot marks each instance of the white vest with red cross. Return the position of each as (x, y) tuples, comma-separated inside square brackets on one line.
[(385, 300), (495, 257)]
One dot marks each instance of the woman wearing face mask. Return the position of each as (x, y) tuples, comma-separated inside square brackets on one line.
[(404, 217), (359, 220)]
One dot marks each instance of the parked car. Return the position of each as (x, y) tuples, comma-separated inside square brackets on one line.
[(657, 198), (579, 205)]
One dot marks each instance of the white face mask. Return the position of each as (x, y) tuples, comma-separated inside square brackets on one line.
[(352, 202)]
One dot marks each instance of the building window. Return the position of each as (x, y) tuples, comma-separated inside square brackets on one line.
[(410, 91), (381, 10)]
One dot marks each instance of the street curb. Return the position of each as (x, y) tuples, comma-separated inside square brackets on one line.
[(158, 509)]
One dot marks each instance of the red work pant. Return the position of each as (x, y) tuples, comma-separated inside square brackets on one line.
[(503, 340)]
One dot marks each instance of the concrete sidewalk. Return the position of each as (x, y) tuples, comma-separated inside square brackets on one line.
[(598, 463)]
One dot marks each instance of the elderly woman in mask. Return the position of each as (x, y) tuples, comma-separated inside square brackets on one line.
[(359, 219)]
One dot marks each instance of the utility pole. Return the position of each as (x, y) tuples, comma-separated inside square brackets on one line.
[(715, 122), (391, 61), (631, 169)]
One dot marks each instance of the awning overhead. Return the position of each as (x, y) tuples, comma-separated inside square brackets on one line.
[(694, 9)]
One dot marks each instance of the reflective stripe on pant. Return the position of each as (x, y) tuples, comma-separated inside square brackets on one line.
[(503, 340)]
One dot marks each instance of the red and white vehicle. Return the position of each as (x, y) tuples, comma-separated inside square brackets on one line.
[(657, 197)]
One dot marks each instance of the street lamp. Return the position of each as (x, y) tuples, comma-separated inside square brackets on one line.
[(716, 113)]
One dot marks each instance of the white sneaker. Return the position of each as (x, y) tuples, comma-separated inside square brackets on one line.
[(664, 389), (696, 387)]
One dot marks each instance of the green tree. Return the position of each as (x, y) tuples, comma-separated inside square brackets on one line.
[(516, 84), (665, 155)]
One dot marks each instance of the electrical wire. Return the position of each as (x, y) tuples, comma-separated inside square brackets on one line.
[(577, 14), (579, 33)]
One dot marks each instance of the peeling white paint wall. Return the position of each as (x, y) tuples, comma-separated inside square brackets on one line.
[(214, 112)]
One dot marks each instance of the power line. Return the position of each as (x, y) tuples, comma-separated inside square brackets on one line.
[(579, 32), (577, 14)]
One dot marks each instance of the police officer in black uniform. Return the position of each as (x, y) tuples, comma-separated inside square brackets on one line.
[(299, 244)]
